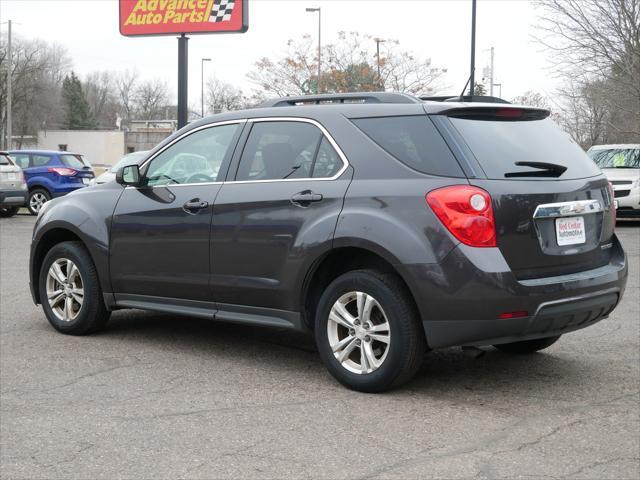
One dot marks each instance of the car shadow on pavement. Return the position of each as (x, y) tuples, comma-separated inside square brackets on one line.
[(443, 373)]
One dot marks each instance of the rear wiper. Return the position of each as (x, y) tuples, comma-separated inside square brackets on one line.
[(545, 170)]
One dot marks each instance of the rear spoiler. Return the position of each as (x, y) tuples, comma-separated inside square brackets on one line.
[(465, 98), (498, 113)]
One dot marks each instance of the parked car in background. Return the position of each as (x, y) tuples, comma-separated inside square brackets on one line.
[(621, 165), (52, 174), (128, 159), (384, 224), (13, 187)]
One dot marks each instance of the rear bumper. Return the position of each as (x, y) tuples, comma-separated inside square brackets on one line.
[(13, 198), (461, 299)]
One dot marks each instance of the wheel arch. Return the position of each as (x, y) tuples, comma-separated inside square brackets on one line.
[(45, 242), (340, 260), (40, 186)]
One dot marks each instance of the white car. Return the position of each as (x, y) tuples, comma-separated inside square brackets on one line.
[(13, 187), (621, 165), (128, 159)]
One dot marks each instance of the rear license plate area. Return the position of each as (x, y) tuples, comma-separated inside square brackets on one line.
[(570, 231)]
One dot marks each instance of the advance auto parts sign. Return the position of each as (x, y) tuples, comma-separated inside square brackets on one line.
[(167, 17)]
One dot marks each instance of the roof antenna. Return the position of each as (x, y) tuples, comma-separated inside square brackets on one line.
[(464, 88)]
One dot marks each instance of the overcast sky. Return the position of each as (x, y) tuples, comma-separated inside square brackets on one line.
[(439, 30)]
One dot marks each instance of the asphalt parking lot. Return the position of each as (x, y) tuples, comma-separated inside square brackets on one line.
[(158, 396)]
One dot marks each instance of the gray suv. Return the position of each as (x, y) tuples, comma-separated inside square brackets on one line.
[(384, 224)]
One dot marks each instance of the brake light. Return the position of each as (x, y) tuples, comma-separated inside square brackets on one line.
[(612, 196), (65, 172), (467, 213), (509, 113)]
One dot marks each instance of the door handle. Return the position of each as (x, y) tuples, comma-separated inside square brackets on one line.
[(306, 197), (194, 205)]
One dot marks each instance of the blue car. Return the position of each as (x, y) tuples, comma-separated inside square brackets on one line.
[(51, 174)]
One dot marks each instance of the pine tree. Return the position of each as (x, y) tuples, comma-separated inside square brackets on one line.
[(77, 113)]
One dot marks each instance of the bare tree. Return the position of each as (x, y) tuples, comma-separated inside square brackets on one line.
[(101, 92), (222, 97), (126, 83), (531, 99), (348, 65), (151, 97), (37, 70), (596, 46)]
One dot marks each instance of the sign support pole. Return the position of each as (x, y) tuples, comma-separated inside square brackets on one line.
[(183, 77), (473, 48)]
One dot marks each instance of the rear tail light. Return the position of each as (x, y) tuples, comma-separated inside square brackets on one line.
[(467, 213), (65, 172)]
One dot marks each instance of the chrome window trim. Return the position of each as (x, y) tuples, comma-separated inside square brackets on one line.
[(336, 147), (345, 162), (568, 209)]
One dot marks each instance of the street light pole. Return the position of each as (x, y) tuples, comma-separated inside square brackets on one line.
[(9, 92), (319, 10), (491, 76), (378, 42), (202, 60)]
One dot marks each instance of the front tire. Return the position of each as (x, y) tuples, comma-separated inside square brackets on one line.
[(36, 199), (368, 332), (70, 292), (528, 346), (6, 212)]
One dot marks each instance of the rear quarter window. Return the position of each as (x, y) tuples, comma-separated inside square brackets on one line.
[(414, 141), (73, 161), (4, 160)]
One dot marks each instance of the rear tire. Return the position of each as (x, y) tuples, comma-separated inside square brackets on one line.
[(390, 339), (37, 198), (8, 211), (528, 346), (70, 292)]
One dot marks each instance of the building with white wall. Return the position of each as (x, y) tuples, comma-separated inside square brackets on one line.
[(100, 147)]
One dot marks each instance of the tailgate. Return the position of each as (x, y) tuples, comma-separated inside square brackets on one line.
[(553, 208), (548, 228)]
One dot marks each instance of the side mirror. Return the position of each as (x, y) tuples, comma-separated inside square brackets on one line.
[(129, 175)]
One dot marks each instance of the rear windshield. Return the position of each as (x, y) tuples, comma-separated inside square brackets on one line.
[(414, 141), (549, 152), (616, 157), (73, 161), (4, 160)]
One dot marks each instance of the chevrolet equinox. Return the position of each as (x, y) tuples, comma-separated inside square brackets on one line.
[(385, 224)]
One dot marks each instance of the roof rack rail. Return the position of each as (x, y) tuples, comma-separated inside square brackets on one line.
[(332, 98), (465, 98)]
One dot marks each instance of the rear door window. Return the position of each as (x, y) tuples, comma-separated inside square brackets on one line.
[(414, 141), (498, 145), (39, 160), (4, 160), (281, 150)]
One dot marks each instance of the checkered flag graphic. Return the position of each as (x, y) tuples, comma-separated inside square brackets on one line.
[(222, 10)]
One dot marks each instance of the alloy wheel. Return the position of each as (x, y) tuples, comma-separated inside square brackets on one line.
[(65, 289), (37, 200), (359, 332)]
